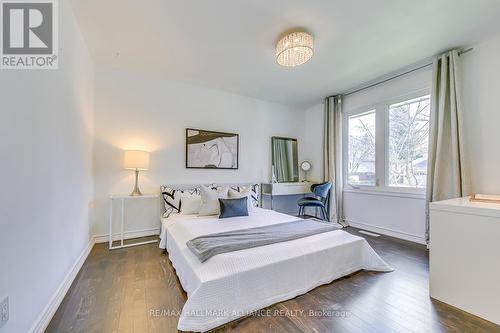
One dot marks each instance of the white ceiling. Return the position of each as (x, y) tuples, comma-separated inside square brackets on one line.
[(229, 44)]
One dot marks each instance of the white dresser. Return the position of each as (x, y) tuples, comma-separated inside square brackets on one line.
[(465, 256)]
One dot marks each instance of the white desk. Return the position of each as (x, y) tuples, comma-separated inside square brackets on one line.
[(277, 189), (123, 199), (465, 256)]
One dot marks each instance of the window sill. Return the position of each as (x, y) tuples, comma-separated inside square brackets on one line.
[(388, 192)]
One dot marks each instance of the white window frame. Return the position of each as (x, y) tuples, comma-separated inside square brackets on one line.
[(381, 148)]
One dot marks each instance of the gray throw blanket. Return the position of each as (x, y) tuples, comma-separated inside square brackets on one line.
[(205, 247)]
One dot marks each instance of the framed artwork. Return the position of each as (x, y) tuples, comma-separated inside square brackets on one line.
[(211, 150)]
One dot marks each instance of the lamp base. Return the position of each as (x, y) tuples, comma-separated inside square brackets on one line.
[(136, 192)]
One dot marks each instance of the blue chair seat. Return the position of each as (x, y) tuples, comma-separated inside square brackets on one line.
[(311, 202)]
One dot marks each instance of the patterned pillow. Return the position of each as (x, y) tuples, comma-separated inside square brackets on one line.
[(255, 195), (172, 199)]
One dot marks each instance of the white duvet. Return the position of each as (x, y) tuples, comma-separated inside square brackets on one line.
[(232, 285)]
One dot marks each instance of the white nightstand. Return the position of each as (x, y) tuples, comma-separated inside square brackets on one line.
[(123, 199)]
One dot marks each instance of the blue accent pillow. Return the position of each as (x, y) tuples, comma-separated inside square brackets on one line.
[(233, 207)]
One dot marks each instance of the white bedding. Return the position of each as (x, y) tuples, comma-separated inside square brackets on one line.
[(232, 285)]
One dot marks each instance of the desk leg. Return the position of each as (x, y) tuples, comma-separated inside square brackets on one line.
[(122, 228), (110, 224), (158, 214), (123, 218)]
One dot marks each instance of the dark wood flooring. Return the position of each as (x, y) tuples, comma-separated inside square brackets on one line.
[(119, 291)]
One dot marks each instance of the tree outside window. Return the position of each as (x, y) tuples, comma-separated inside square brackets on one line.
[(408, 143), (361, 149)]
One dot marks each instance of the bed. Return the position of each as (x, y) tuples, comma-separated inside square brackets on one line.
[(233, 285)]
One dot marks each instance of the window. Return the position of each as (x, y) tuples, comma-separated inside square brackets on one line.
[(361, 149), (386, 145), (408, 142)]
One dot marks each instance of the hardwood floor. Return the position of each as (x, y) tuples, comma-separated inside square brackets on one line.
[(119, 291)]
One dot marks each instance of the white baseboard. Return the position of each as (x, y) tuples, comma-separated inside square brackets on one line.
[(369, 233), (104, 238), (388, 232), (50, 309)]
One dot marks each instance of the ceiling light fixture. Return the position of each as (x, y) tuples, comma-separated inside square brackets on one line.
[(294, 49)]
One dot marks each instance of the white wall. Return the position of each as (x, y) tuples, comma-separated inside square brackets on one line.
[(404, 216), (46, 152), (141, 111), (481, 84), (481, 88), (399, 215)]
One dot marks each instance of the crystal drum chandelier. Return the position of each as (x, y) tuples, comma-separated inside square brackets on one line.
[(294, 49)]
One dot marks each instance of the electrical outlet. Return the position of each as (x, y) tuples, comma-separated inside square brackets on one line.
[(4, 311)]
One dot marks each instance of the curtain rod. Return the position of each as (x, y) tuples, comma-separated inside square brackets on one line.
[(427, 64)]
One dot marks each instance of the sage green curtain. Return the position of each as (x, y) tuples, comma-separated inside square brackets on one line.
[(447, 175), (281, 160), (332, 156)]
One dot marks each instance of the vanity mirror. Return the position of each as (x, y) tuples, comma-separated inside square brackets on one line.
[(284, 160)]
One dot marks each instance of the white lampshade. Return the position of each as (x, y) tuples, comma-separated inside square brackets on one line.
[(294, 49), (136, 160)]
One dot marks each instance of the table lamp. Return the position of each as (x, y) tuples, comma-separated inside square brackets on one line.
[(136, 160)]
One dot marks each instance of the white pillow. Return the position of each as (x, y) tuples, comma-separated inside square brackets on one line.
[(210, 200), (246, 192), (190, 203)]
